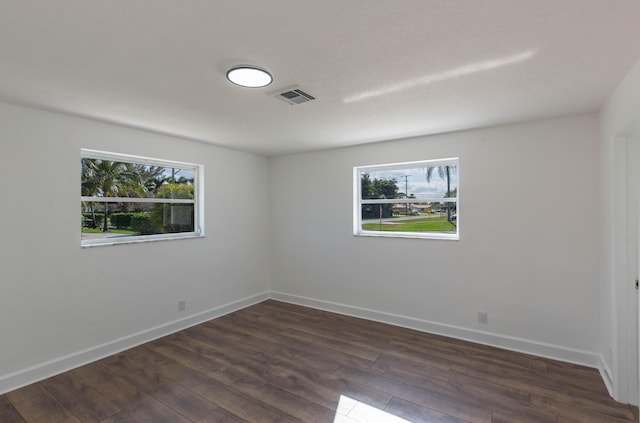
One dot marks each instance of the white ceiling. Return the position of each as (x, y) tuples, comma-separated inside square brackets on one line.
[(380, 69)]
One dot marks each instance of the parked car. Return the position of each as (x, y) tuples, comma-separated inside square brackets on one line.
[(87, 222)]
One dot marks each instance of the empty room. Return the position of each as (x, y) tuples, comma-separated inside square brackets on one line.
[(388, 211)]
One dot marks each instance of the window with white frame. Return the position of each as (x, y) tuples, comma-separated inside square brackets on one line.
[(128, 198), (413, 199)]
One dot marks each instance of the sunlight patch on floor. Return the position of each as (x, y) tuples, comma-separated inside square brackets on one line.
[(353, 411)]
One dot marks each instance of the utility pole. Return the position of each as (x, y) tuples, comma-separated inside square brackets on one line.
[(406, 194)]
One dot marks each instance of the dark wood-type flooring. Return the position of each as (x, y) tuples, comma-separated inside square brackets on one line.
[(276, 362)]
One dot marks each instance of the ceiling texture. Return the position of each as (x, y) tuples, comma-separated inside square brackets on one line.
[(379, 69)]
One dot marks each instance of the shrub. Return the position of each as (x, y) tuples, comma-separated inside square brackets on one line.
[(120, 220), (141, 223)]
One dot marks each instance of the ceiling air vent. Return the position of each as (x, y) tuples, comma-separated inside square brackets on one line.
[(294, 96)]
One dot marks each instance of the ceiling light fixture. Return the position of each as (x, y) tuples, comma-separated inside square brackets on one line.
[(249, 76)]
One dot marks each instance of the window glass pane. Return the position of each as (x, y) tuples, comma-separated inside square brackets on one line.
[(108, 178), (421, 182), (421, 217), (150, 219), (172, 218)]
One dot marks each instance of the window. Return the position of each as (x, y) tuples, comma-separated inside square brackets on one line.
[(412, 200), (127, 199)]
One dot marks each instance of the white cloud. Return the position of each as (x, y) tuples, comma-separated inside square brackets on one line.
[(416, 181)]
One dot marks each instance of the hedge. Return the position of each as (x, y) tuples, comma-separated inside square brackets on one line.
[(141, 223), (121, 220)]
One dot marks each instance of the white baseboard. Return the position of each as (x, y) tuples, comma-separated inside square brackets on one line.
[(556, 352), (62, 364), (606, 375)]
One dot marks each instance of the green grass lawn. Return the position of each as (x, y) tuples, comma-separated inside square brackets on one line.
[(432, 224), (111, 231)]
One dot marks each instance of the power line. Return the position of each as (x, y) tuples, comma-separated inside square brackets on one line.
[(406, 194)]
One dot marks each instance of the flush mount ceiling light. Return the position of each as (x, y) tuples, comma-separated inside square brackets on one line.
[(249, 76)]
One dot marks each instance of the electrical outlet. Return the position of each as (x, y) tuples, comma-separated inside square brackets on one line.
[(182, 305), (483, 317)]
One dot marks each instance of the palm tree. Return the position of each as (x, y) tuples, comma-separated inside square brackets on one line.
[(445, 173), (107, 178), (152, 176), (89, 186), (183, 180)]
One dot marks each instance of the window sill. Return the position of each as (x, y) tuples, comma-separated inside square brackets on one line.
[(137, 240), (412, 235)]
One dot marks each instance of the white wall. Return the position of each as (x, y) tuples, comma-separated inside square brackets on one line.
[(61, 304), (619, 116), (529, 241)]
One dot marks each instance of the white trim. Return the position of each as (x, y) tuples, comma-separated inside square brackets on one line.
[(606, 375), (403, 200), (541, 349), (95, 199), (452, 161), (62, 364), (413, 235), (86, 153), (134, 239)]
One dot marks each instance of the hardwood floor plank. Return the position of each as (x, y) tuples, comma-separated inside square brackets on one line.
[(418, 414), (185, 350), (420, 361), (487, 399), (582, 378), (241, 405), (353, 349), (470, 353), (169, 368), (473, 390), (482, 386), (143, 408), (324, 389), (568, 401), (104, 382), (34, 403), (533, 382), (277, 362), (343, 337), (501, 418), (585, 417), (304, 353), (153, 383), (79, 398), (571, 409), (284, 401), (121, 417), (222, 416), (8, 412)]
